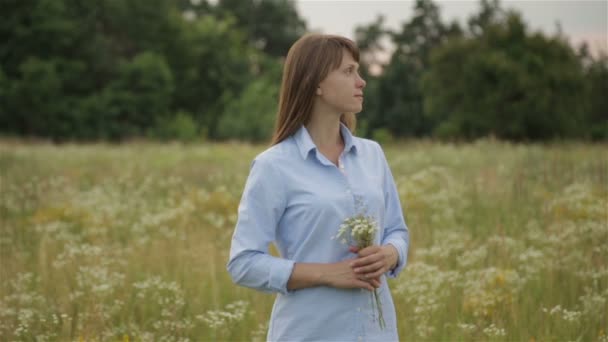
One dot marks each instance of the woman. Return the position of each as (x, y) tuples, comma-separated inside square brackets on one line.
[(299, 191)]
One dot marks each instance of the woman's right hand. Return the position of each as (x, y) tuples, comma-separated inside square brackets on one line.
[(341, 275)]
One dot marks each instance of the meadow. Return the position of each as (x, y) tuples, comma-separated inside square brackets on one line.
[(100, 242)]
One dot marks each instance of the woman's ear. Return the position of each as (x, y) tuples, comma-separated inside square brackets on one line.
[(319, 91)]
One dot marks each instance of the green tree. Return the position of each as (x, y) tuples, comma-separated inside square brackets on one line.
[(210, 61), (140, 95), (505, 82), (271, 26), (398, 103), (36, 96), (489, 13), (87, 70), (251, 115), (596, 78)]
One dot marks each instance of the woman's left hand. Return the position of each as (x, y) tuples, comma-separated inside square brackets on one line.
[(374, 261)]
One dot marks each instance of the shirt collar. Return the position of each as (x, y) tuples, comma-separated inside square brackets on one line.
[(305, 143)]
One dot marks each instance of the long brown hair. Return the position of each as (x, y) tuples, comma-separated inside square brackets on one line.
[(309, 60)]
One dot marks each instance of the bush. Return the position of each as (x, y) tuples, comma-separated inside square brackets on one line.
[(251, 116), (180, 127), (382, 136)]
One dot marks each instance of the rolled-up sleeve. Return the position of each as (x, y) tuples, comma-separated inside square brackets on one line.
[(396, 232), (261, 207)]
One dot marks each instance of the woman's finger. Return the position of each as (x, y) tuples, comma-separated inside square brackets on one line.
[(364, 261), (369, 250), (367, 261), (376, 274), (364, 285), (370, 268)]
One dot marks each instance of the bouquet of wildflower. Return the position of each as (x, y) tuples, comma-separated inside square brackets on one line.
[(361, 230)]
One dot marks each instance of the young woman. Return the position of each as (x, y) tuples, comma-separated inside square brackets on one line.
[(299, 191)]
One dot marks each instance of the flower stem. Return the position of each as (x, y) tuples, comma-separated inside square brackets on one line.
[(379, 308)]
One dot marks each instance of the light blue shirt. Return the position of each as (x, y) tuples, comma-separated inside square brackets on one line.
[(295, 197)]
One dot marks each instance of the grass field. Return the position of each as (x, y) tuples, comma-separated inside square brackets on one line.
[(130, 242)]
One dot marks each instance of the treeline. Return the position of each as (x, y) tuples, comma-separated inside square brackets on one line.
[(187, 69), (490, 77)]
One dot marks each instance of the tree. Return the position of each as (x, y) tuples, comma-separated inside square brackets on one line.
[(596, 77), (209, 59), (271, 26), (251, 115), (489, 13), (398, 106), (36, 95), (505, 82), (138, 97), (88, 70)]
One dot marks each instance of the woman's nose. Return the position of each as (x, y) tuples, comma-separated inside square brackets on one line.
[(361, 82)]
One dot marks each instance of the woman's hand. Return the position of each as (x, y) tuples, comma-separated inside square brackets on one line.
[(374, 261), (342, 275)]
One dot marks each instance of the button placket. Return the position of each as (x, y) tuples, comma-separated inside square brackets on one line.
[(341, 165), (343, 171)]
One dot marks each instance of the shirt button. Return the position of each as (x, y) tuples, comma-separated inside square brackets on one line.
[(358, 309), (359, 338), (348, 191)]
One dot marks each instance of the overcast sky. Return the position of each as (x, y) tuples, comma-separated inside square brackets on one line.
[(581, 20)]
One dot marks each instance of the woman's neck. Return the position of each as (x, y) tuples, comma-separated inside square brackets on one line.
[(324, 129)]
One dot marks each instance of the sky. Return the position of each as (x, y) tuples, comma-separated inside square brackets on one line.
[(581, 20)]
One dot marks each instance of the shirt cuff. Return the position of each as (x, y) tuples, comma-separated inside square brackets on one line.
[(401, 247), (280, 272)]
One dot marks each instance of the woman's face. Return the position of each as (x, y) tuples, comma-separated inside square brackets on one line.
[(342, 89)]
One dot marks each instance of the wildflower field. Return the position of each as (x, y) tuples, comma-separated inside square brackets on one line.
[(129, 242)]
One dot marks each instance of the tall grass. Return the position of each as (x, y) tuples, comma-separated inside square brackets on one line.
[(116, 242)]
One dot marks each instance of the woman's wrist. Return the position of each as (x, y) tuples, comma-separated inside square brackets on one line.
[(392, 255), (308, 275), (324, 274)]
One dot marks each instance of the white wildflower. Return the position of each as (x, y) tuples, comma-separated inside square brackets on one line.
[(494, 331)]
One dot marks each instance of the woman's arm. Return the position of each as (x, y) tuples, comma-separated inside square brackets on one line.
[(396, 232), (251, 265), (338, 274), (261, 207)]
